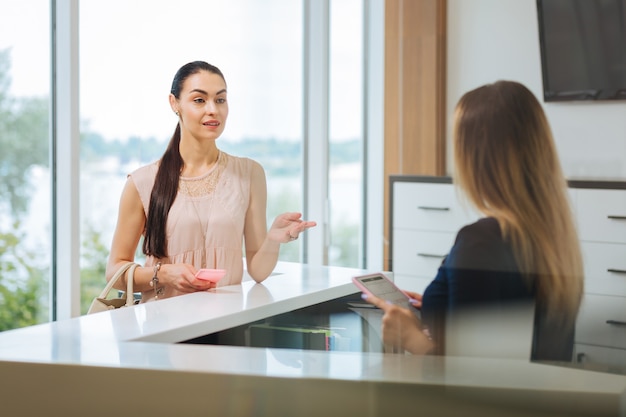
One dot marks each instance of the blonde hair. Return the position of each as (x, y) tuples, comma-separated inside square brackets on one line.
[(506, 163)]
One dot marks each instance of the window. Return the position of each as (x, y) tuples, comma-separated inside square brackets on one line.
[(125, 122), (346, 133), (25, 231)]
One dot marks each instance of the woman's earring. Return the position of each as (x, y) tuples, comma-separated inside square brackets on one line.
[(177, 114)]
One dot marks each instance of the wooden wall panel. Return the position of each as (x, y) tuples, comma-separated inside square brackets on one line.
[(392, 84), (415, 76)]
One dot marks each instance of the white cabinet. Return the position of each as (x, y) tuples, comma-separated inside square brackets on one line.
[(426, 214), (601, 324), (429, 206), (605, 268), (602, 321), (601, 215)]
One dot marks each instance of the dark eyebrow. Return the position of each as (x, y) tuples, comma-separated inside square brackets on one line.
[(197, 90)]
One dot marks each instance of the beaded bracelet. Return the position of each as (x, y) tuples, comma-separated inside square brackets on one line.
[(155, 280)]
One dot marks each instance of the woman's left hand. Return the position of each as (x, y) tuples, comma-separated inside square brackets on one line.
[(288, 226)]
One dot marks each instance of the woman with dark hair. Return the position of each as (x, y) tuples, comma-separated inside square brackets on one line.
[(197, 205), (525, 248)]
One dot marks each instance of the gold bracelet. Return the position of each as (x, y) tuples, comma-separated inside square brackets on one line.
[(155, 280)]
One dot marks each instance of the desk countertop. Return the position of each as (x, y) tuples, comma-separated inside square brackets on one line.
[(134, 352)]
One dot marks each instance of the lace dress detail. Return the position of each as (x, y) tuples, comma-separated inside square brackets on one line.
[(204, 184)]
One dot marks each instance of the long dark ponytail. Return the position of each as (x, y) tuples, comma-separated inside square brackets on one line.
[(171, 165)]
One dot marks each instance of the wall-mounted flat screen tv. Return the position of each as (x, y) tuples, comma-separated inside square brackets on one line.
[(583, 49)]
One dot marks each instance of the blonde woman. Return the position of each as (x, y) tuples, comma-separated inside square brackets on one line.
[(526, 246)]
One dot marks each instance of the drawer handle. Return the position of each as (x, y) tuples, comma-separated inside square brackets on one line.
[(616, 271), (616, 322), (431, 255), (616, 217), (433, 208)]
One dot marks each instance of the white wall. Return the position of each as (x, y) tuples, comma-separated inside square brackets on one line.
[(489, 40)]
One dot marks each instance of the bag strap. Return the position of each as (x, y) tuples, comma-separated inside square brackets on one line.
[(119, 273), (130, 295)]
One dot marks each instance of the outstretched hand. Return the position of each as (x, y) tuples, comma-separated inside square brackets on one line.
[(288, 226)]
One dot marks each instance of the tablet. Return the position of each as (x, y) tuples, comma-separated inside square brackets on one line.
[(382, 287)]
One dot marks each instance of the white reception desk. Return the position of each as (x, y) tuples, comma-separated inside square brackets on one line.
[(130, 362)]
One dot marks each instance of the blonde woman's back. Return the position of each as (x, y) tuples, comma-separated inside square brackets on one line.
[(507, 164)]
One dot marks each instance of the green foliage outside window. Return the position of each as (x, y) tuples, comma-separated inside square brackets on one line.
[(23, 146), (20, 284), (23, 142)]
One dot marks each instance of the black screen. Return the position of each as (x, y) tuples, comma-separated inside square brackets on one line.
[(583, 49)]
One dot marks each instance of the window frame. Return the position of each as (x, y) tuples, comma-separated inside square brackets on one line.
[(64, 164)]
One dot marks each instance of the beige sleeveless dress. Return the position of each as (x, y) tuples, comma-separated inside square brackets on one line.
[(205, 224)]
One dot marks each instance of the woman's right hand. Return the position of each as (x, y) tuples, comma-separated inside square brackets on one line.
[(182, 278), (401, 329), (416, 298)]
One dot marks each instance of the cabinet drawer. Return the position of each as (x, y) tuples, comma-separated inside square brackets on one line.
[(425, 206), (418, 253), (605, 268), (602, 321), (613, 359), (601, 215)]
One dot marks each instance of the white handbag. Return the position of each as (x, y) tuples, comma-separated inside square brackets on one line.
[(102, 303)]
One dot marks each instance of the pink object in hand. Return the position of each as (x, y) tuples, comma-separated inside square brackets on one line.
[(212, 275)]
